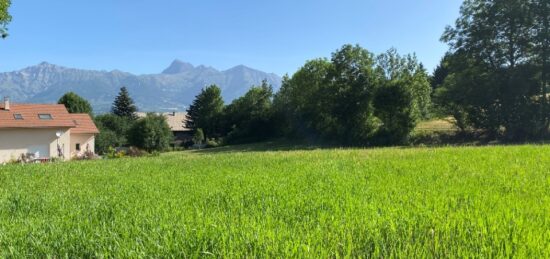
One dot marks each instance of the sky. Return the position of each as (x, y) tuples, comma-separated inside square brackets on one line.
[(145, 36)]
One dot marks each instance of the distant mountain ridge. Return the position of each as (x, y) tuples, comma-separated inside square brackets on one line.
[(173, 89)]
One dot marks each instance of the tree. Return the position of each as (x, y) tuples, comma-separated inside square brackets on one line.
[(113, 131), (249, 118), (402, 98), (123, 106), (5, 17), (75, 103), (355, 98), (151, 133), (350, 87), (298, 103), (206, 111), (498, 81), (440, 73), (106, 139)]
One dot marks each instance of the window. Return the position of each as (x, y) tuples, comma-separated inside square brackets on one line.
[(18, 116), (45, 116), (77, 146)]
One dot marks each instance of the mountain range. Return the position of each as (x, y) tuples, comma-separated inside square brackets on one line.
[(173, 89)]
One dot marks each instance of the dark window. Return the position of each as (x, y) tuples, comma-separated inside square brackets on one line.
[(77, 146), (18, 116), (45, 116)]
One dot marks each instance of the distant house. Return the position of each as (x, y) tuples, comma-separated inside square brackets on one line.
[(176, 121), (44, 130)]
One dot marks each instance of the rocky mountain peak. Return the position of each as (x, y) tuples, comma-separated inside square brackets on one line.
[(177, 67)]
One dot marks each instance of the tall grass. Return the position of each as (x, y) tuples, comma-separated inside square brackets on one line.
[(448, 202)]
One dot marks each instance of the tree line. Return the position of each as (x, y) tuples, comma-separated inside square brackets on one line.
[(493, 82), (355, 98)]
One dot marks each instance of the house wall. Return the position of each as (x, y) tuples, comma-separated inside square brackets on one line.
[(85, 140), (14, 142)]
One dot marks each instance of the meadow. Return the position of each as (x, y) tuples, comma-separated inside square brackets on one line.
[(247, 202)]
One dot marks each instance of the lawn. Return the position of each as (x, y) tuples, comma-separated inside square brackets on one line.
[(247, 202)]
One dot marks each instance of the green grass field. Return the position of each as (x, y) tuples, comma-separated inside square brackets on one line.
[(446, 202)]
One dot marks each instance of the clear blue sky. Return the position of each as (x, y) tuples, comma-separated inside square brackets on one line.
[(144, 36)]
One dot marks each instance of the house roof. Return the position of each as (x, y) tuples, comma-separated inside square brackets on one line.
[(28, 116), (84, 124), (176, 120)]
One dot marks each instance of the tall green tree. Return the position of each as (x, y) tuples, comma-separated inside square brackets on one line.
[(298, 103), (75, 104), (250, 117), (124, 106), (542, 50), (350, 87), (440, 73), (498, 76), (5, 17), (206, 111), (355, 98), (402, 98)]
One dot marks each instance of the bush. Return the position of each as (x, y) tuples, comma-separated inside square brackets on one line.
[(88, 155), (112, 153), (151, 133), (113, 131), (210, 143), (198, 137), (136, 152)]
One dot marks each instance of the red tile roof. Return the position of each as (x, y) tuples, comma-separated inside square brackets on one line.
[(84, 124), (61, 118)]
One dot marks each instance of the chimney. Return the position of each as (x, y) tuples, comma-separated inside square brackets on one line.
[(6, 103)]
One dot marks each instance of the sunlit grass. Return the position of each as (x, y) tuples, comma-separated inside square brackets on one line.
[(449, 202), (437, 125)]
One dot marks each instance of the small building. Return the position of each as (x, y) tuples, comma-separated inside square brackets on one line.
[(176, 121), (44, 130)]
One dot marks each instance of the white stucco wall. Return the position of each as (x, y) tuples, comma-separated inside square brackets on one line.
[(14, 142), (85, 140)]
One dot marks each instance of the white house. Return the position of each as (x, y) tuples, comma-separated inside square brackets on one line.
[(45, 130)]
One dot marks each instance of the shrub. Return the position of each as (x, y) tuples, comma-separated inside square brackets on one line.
[(198, 137), (151, 133), (210, 143), (88, 155), (112, 153), (136, 152)]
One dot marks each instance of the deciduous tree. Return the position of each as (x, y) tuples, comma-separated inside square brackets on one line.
[(5, 17), (499, 53), (151, 133), (75, 104), (250, 117)]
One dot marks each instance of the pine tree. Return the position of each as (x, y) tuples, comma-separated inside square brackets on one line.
[(205, 111), (123, 105)]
